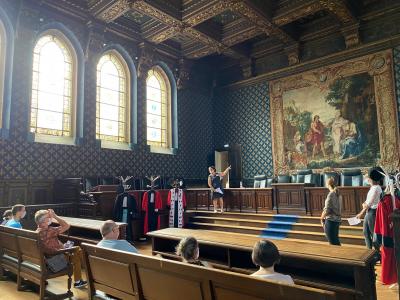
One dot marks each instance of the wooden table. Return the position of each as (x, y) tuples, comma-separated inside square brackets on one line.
[(346, 270), (87, 230)]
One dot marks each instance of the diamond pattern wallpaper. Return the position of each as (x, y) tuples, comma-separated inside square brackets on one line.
[(242, 116)]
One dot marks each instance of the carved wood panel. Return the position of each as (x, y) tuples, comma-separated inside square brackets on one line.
[(316, 200), (234, 200), (191, 199), (264, 200), (349, 207), (248, 202), (203, 199)]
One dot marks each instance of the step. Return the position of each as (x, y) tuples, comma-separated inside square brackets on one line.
[(221, 219), (276, 233), (264, 217)]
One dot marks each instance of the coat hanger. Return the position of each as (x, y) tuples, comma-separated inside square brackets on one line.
[(152, 179)]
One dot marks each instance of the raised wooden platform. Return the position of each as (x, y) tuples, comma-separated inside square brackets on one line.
[(271, 226)]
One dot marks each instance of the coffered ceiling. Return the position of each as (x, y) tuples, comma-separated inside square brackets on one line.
[(232, 28)]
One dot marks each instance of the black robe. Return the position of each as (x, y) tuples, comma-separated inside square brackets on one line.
[(132, 212)]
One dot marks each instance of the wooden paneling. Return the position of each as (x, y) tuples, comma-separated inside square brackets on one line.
[(248, 201), (203, 199), (352, 197), (233, 199), (191, 200), (264, 200), (290, 197)]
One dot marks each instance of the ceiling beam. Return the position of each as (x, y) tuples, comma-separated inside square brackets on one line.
[(248, 11), (206, 12), (340, 10), (182, 28), (297, 12), (109, 10)]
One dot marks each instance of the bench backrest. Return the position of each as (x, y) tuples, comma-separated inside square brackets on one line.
[(29, 247), (8, 241), (156, 278), (114, 277)]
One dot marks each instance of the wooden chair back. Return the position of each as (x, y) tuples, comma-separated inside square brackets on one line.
[(29, 247), (109, 271), (8, 241)]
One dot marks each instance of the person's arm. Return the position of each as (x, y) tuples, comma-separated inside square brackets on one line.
[(226, 171), (369, 202), (64, 226), (210, 184), (326, 207)]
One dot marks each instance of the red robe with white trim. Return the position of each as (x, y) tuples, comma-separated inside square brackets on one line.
[(177, 204), (384, 236), (151, 217)]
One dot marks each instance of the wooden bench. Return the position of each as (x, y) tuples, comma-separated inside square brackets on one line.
[(134, 276), (20, 253), (348, 271)]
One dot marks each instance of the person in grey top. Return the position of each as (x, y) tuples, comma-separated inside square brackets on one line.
[(331, 214), (110, 232)]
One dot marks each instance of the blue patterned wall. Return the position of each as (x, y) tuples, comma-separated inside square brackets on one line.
[(242, 116)]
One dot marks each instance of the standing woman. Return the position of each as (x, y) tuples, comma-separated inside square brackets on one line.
[(215, 184), (331, 215), (370, 205)]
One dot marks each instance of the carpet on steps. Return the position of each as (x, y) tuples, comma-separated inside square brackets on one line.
[(279, 227)]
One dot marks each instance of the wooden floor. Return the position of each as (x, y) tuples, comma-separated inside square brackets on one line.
[(8, 288)]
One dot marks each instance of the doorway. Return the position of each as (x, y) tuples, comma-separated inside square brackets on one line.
[(230, 155)]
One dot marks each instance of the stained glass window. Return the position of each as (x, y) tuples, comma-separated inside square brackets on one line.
[(52, 86), (112, 105), (158, 108)]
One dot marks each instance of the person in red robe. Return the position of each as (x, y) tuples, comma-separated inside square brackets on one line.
[(177, 204), (384, 236), (151, 204)]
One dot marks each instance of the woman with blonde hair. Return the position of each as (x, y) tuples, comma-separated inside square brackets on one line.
[(331, 214)]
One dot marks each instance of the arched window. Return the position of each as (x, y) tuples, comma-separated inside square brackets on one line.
[(112, 104), (158, 93), (53, 102)]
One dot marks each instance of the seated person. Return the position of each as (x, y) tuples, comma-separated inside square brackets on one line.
[(48, 240), (188, 249), (266, 255), (18, 213), (7, 215), (110, 233)]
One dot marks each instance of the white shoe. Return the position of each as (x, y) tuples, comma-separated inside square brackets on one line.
[(222, 211), (215, 211)]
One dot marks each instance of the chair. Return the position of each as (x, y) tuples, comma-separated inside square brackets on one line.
[(9, 258), (107, 181), (326, 175), (259, 180), (33, 265), (351, 177), (90, 183), (283, 178), (307, 176)]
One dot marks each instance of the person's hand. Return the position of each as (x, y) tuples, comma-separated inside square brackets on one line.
[(230, 167), (359, 216), (52, 214), (322, 222)]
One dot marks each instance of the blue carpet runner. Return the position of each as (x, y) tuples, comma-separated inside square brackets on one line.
[(279, 227)]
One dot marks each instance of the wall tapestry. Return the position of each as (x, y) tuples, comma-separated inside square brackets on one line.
[(339, 116)]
